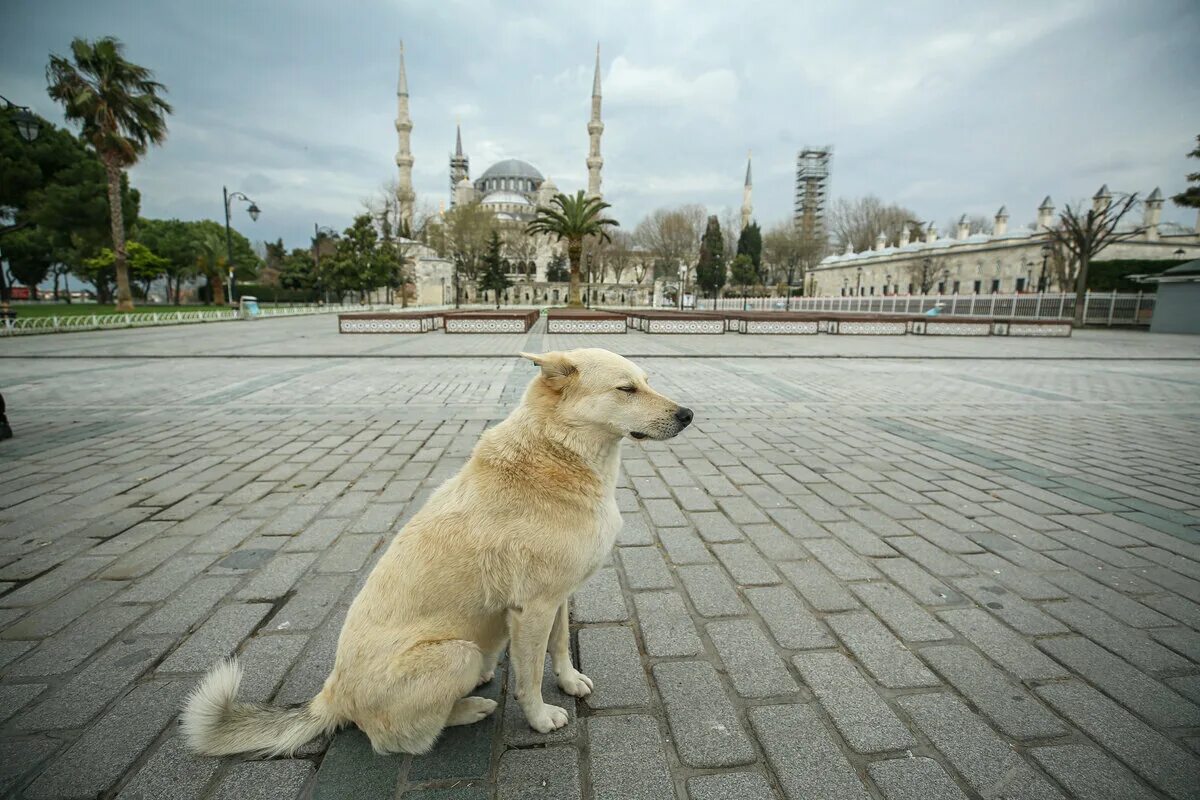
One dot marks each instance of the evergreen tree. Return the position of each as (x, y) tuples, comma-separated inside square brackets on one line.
[(556, 270), (495, 268), (750, 243), (742, 272), (710, 270), (1190, 197)]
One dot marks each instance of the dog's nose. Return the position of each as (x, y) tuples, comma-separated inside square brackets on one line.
[(684, 415)]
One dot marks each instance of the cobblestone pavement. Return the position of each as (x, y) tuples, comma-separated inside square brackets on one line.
[(851, 578)]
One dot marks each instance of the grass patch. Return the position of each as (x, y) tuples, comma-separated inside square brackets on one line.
[(87, 309)]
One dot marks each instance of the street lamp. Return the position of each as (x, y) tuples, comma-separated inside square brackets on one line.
[(27, 123), (317, 231), (858, 284), (253, 210), (683, 271), (886, 285), (1046, 251)]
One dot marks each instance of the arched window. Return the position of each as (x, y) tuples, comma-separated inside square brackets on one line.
[(556, 295)]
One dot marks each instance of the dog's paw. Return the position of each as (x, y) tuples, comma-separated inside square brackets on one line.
[(486, 677), (470, 710), (575, 683), (547, 718)]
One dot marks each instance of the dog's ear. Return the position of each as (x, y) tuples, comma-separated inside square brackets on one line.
[(556, 367)]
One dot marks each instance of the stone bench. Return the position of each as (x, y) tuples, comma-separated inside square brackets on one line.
[(688, 322)]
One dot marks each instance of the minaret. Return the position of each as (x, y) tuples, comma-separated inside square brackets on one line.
[(595, 128), (404, 159), (460, 165), (747, 206)]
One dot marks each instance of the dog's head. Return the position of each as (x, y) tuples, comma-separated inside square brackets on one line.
[(602, 390)]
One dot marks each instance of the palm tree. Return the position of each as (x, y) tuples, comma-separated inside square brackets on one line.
[(210, 256), (574, 219), (117, 103)]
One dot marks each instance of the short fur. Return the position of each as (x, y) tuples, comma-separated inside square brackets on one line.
[(495, 553)]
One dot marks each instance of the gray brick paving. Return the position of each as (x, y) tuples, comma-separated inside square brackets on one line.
[(828, 586)]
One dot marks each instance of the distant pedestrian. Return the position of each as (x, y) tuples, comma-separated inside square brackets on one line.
[(5, 431)]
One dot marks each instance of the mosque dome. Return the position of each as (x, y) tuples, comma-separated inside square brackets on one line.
[(506, 198), (509, 175)]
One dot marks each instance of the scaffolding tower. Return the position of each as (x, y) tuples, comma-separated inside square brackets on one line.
[(812, 189)]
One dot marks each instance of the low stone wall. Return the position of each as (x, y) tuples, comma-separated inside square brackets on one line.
[(489, 321), (565, 320), (401, 322)]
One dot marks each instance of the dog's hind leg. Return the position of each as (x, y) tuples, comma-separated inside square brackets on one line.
[(428, 682), (468, 710), (570, 680)]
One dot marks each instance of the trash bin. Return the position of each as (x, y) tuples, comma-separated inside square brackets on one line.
[(248, 308)]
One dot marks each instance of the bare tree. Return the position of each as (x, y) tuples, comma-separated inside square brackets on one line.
[(620, 255), (924, 272), (672, 235), (468, 229), (1081, 235), (520, 248), (859, 222), (791, 253)]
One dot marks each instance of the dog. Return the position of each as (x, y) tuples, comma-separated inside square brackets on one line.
[(490, 561)]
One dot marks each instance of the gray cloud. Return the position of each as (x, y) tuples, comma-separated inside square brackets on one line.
[(946, 107)]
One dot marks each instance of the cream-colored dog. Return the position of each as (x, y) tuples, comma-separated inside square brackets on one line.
[(495, 554)]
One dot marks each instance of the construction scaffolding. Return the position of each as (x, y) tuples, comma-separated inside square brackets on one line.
[(812, 189)]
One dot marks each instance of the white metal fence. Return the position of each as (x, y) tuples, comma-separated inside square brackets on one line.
[(141, 319), (1100, 308)]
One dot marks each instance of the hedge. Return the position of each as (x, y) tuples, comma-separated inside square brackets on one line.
[(1108, 276)]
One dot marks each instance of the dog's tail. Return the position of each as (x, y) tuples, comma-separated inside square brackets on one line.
[(215, 724)]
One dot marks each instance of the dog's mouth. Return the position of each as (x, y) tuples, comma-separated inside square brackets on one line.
[(638, 435)]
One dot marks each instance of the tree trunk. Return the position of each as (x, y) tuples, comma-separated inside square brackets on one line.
[(67, 286), (216, 288), (124, 296), (1081, 289), (575, 254)]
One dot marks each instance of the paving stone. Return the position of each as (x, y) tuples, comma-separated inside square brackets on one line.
[(704, 726), (277, 577), (906, 619), (609, 656), (986, 761), (1184, 641), (1005, 703), (860, 715), (75, 643), (729, 786), (53, 616), (265, 660), (746, 566), (85, 695), (819, 588), (144, 558), (378, 518), (600, 599), (665, 513), (463, 751), (627, 760), (750, 659), (217, 638), (839, 560), (860, 540), (683, 546), (350, 553), (1149, 753), (265, 780), (314, 598), (883, 654), (1131, 644), (549, 774), (1019, 580), (803, 756), (645, 568), (517, 732), (927, 589), (789, 621), (16, 696), (171, 773), (797, 523), (50, 585), (666, 627), (914, 779), (22, 756), (1025, 617), (774, 543), (1003, 646), (1118, 605), (1089, 774), (931, 557), (102, 754), (186, 608), (635, 531), (711, 591), (714, 526), (317, 535)]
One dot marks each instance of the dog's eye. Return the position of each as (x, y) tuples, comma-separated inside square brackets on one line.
[(627, 389)]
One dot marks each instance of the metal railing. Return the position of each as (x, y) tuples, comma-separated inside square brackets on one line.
[(141, 319), (1100, 308)]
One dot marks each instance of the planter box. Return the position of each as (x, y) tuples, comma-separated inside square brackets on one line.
[(399, 322), (564, 320), (678, 322), (489, 321)]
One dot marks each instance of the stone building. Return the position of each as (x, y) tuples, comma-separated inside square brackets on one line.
[(1003, 261)]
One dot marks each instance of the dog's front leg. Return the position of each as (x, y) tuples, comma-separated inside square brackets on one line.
[(530, 636), (570, 680)]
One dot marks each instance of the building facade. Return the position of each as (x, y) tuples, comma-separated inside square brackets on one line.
[(1003, 261)]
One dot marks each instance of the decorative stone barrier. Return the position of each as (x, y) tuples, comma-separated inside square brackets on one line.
[(572, 320), (656, 321), (489, 321), (390, 322)]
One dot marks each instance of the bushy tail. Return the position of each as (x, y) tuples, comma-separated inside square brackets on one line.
[(215, 724)]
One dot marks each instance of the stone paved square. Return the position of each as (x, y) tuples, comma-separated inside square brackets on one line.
[(872, 568)]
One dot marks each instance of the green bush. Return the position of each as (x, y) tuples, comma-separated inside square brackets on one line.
[(276, 294), (1108, 276)]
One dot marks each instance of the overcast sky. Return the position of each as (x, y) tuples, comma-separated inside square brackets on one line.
[(946, 107)]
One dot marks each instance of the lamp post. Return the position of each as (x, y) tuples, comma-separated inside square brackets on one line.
[(682, 282), (858, 283), (317, 231), (27, 123), (1046, 250), (888, 284), (253, 211)]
